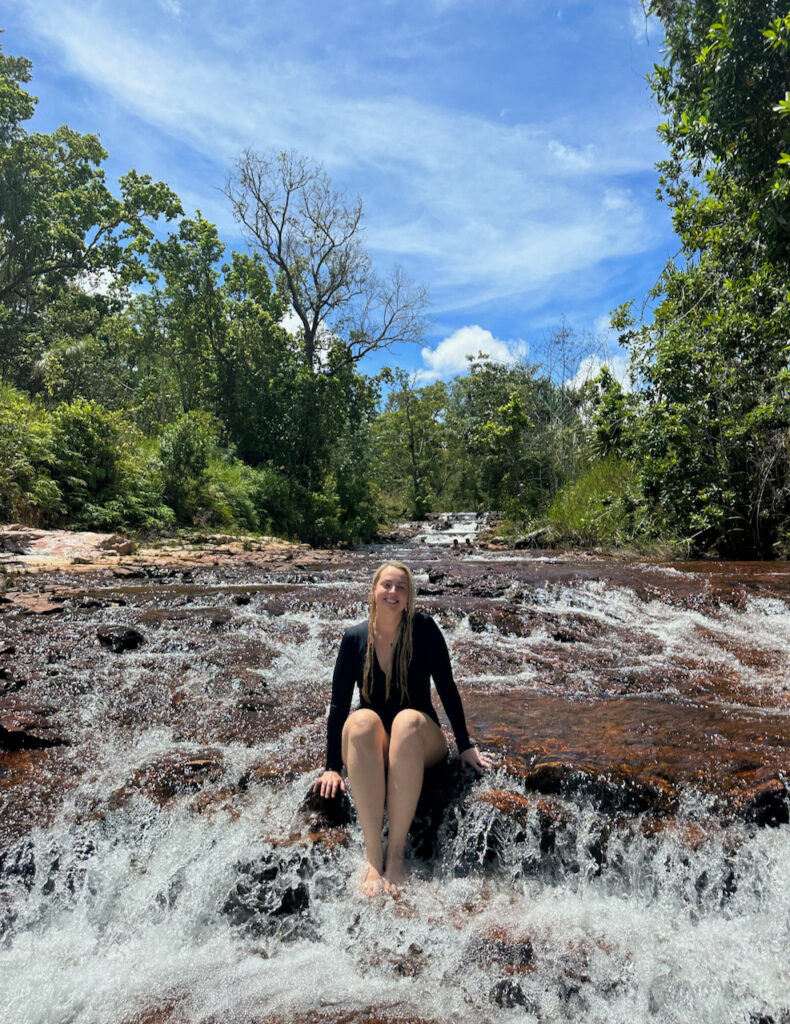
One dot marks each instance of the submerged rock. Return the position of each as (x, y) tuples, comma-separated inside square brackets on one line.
[(120, 638)]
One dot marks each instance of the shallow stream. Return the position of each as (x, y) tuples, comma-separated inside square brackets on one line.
[(158, 862)]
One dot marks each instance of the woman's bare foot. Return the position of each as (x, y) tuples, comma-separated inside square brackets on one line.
[(394, 874), (373, 883)]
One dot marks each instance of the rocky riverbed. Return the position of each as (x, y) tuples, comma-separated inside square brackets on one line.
[(162, 716)]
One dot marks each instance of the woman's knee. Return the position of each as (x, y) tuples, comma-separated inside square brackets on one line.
[(363, 726), (408, 725), (413, 729)]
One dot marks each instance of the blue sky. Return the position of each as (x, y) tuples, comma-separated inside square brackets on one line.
[(504, 151)]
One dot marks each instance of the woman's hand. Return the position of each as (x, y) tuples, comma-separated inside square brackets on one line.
[(476, 760), (329, 784)]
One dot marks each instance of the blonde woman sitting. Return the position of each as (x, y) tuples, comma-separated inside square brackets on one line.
[(389, 741)]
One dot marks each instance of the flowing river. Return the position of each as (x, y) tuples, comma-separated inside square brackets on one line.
[(627, 860)]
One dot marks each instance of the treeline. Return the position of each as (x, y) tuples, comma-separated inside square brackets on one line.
[(148, 379)]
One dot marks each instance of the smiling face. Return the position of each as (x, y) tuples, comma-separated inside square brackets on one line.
[(390, 591)]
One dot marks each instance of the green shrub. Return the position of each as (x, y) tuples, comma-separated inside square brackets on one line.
[(278, 511), (27, 491), (230, 494), (604, 506), (87, 443), (104, 469), (185, 451)]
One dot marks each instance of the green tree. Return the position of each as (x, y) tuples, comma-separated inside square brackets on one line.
[(503, 417), (27, 491), (59, 222), (411, 443), (613, 415), (714, 437), (210, 332)]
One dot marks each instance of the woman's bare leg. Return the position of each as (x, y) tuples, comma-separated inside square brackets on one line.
[(416, 743), (365, 743)]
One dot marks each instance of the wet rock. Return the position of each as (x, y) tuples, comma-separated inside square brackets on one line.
[(216, 617), (128, 572), (327, 812), (525, 812), (18, 862), (269, 889), (120, 638), (507, 993), (444, 788), (172, 776), (33, 783), (498, 946), (410, 964), (27, 724), (21, 739), (34, 604), (10, 681), (504, 620), (642, 754)]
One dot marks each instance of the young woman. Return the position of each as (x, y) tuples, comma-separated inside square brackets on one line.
[(391, 739)]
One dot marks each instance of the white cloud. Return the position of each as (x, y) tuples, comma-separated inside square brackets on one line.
[(171, 7), (573, 158), (450, 357), (291, 322), (602, 326), (98, 282)]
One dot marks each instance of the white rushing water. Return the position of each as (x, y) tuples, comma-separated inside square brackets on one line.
[(235, 914), (135, 912)]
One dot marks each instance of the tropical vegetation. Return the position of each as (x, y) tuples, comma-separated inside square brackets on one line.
[(148, 379)]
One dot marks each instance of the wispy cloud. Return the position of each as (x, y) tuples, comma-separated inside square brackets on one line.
[(643, 28), (485, 210)]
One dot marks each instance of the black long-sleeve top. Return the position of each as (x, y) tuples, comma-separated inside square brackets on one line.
[(430, 659)]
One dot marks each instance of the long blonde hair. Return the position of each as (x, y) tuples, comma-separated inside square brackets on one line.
[(401, 656)]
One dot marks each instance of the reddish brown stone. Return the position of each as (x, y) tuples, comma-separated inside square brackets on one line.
[(32, 786), (642, 753), (170, 777), (34, 604)]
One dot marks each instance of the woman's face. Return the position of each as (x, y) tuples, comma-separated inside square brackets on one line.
[(391, 591)]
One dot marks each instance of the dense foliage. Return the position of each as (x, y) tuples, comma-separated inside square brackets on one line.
[(147, 378), (713, 435)]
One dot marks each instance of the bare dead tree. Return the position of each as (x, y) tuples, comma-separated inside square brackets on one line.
[(312, 239)]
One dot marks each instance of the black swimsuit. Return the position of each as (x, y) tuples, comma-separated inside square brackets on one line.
[(430, 658)]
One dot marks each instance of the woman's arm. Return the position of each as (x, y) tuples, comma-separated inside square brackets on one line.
[(442, 673), (339, 706), (343, 680)]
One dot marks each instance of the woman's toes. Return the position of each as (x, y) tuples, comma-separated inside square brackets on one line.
[(372, 883)]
